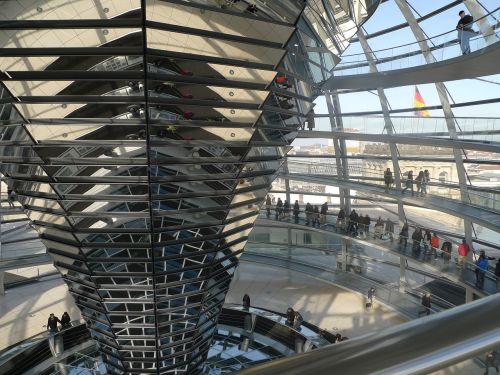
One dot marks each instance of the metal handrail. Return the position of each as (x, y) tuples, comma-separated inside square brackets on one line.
[(491, 13), (416, 347)]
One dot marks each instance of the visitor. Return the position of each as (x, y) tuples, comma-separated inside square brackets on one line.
[(309, 212), (324, 210), (286, 210), (296, 211), (10, 197), (279, 209), (388, 179), (310, 120), (389, 229), (246, 301), (463, 251), (52, 323), (298, 319), (490, 360), (427, 242), (268, 206), (315, 218), (417, 239), (371, 296), (366, 224), (465, 32), (434, 245), (497, 274), (290, 317), (65, 320), (418, 181), (378, 230), (340, 220), (252, 8), (481, 268), (353, 223), (408, 183), (426, 304), (425, 181), (403, 234)]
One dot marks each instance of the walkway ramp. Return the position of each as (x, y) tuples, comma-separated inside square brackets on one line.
[(486, 217), (480, 63)]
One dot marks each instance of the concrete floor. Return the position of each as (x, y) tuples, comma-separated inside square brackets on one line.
[(325, 305), (24, 310)]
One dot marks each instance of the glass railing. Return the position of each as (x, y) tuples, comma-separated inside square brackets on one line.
[(465, 332), (443, 47), (468, 128), (370, 263), (323, 264), (391, 238), (79, 364), (14, 350), (486, 198)]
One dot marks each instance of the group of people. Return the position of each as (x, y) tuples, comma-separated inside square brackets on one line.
[(420, 182), (53, 321), (359, 226), (430, 242), (314, 215), (432, 245)]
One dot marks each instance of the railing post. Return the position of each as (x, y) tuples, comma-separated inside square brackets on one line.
[(2, 285), (343, 255), (402, 274), (469, 295), (290, 243)]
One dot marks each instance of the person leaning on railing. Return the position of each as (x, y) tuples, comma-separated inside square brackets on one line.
[(463, 251), (388, 180), (465, 32), (482, 266)]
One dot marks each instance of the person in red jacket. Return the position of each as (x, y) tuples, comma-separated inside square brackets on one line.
[(463, 251), (434, 245)]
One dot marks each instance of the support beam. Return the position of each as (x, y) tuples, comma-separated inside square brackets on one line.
[(469, 295), (337, 149), (389, 127), (287, 183), (335, 114)]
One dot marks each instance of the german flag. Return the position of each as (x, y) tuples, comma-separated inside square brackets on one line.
[(418, 102)]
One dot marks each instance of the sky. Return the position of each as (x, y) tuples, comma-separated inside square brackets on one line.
[(388, 15)]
